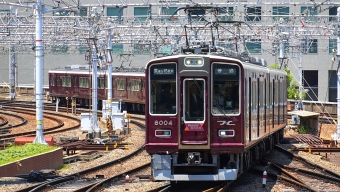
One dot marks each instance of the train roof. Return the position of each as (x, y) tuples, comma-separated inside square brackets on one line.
[(84, 69), (219, 52)]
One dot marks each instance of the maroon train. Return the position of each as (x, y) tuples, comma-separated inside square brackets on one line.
[(74, 82), (237, 114)]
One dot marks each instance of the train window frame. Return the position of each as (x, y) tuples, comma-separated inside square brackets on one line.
[(232, 82), (58, 81), (83, 82), (186, 111), (161, 80), (66, 81), (120, 84), (75, 81), (51, 80)]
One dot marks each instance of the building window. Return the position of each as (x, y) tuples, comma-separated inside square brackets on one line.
[(254, 46), (254, 14), (226, 13), (142, 49), (59, 49), (116, 12), (310, 83), (83, 11), (113, 11), (167, 12), (276, 48), (309, 13), (141, 13), (332, 14), (196, 15), (82, 49), (62, 12), (227, 44), (332, 86), (279, 12), (117, 49), (331, 46), (312, 46), (166, 50)]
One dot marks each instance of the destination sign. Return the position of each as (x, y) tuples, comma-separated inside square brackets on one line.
[(225, 71), (163, 71)]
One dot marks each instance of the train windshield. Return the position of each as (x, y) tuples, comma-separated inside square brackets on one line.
[(226, 89), (194, 99), (162, 89)]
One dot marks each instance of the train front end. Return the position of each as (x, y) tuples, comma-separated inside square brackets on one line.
[(193, 118)]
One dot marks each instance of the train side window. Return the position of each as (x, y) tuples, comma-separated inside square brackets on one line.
[(254, 96), (121, 84), (75, 81), (261, 94), (84, 82), (58, 81), (101, 83), (51, 80), (143, 84)]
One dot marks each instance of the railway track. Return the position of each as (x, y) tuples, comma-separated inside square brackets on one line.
[(88, 173), (48, 115), (299, 172), (5, 121)]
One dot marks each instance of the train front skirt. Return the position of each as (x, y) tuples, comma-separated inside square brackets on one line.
[(161, 166)]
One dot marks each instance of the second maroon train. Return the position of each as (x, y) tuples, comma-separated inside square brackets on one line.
[(74, 83)]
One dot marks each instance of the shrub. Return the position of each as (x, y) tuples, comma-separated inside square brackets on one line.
[(15, 153)]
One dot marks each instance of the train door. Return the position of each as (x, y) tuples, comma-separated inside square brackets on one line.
[(194, 127)]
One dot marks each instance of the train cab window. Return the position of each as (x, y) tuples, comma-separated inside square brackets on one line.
[(225, 89), (162, 89), (194, 99)]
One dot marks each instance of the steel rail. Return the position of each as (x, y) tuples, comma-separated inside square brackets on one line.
[(32, 133), (336, 175), (4, 121), (74, 176), (278, 177), (24, 121)]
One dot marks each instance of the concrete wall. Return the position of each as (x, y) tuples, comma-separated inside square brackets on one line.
[(48, 160)]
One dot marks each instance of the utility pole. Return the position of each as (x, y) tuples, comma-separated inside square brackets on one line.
[(39, 58), (12, 78), (94, 118), (299, 105), (12, 66), (109, 69)]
